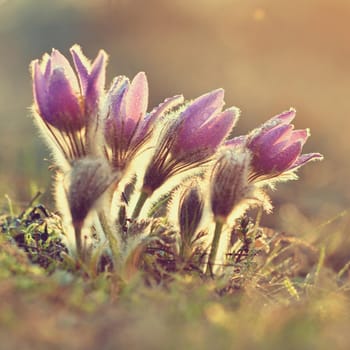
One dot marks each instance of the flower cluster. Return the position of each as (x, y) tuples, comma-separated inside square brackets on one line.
[(106, 145)]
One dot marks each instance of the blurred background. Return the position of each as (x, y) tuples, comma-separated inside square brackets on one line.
[(268, 55)]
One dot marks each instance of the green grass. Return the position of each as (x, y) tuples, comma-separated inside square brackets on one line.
[(292, 297)]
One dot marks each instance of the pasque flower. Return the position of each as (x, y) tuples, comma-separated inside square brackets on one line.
[(67, 103), (127, 124), (231, 193), (276, 148), (89, 178), (191, 138), (229, 183), (202, 126), (228, 188)]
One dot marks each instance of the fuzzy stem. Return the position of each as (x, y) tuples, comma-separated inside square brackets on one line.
[(214, 247), (185, 250), (140, 202), (78, 241), (111, 238)]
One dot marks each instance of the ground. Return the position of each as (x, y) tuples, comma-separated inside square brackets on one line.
[(292, 297)]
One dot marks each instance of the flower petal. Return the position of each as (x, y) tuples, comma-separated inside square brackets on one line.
[(201, 109), (285, 117), (59, 61), (116, 95), (300, 135), (305, 158), (39, 89), (46, 65), (270, 137), (212, 133), (82, 65), (206, 138), (115, 117), (283, 160), (63, 104), (275, 140), (158, 112), (136, 103), (95, 84)]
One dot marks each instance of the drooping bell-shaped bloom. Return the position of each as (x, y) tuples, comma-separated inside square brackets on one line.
[(276, 147), (67, 103), (191, 139), (127, 124)]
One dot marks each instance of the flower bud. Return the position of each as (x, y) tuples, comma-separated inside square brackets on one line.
[(89, 179), (229, 183), (190, 212)]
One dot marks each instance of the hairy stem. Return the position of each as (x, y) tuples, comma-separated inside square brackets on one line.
[(78, 241), (139, 205), (111, 237), (214, 248)]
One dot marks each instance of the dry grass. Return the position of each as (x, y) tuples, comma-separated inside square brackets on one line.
[(293, 296)]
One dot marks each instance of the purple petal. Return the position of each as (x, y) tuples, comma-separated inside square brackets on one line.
[(274, 140), (115, 117), (136, 103), (155, 114), (201, 109), (95, 84), (218, 128), (82, 65), (98, 71), (270, 137), (305, 158), (285, 117), (255, 137), (46, 66), (283, 160), (300, 135), (59, 61), (116, 94), (165, 106), (39, 89), (63, 104), (210, 135)]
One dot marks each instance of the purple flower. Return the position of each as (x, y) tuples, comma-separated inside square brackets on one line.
[(276, 147), (191, 139), (67, 104), (128, 126), (203, 126), (62, 99)]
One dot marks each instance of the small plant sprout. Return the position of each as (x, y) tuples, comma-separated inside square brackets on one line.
[(112, 155)]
